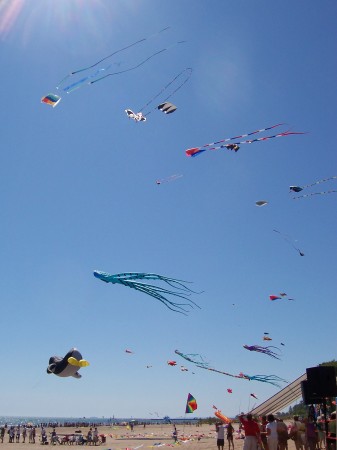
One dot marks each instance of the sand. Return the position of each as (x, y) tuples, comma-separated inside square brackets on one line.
[(119, 437)]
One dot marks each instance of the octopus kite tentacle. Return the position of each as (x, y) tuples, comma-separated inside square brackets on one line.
[(271, 379), (158, 292), (192, 357), (260, 349)]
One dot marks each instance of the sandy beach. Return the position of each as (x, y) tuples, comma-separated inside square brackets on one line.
[(152, 436)]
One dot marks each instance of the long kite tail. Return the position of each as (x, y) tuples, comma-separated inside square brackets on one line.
[(109, 56), (213, 145), (314, 193), (319, 182), (239, 136), (189, 73), (137, 65), (250, 141), (223, 373)]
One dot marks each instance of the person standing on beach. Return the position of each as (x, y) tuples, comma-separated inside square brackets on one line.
[(17, 434), (24, 434), (252, 432), (272, 435), (220, 429), (230, 431), (175, 434), (263, 424), (95, 436)]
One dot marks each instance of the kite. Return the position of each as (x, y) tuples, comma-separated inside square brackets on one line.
[(183, 369), (138, 117), (290, 241), (68, 365), (222, 417), (299, 188), (129, 279), (129, 351), (235, 146), (172, 363), (191, 404), (193, 358), (282, 343), (261, 203), (265, 350), (267, 338), (271, 379), (166, 107), (51, 99), (94, 77), (168, 179), (282, 294), (230, 391), (254, 396)]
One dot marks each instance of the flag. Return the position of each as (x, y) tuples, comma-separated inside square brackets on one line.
[(191, 404)]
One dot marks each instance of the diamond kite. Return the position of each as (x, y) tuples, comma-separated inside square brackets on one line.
[(51, 99), (191, 404)]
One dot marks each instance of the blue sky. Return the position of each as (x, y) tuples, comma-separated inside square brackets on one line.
[(78, 193)]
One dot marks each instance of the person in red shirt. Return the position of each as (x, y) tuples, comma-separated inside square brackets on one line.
[(252, 432)]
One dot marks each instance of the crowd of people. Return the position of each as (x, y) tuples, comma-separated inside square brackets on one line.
[(29, 434), (271, 433)]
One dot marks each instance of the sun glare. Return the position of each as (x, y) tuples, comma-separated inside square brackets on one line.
[(9, 12), (25, 16)]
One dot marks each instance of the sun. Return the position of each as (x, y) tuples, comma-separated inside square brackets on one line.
[(62, 16)]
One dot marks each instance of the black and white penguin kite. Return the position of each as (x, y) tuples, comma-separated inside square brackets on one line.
[(67, 366)]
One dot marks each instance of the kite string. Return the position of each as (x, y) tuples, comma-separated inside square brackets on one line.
[(188, 69), (314, 193), (319, 182)]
